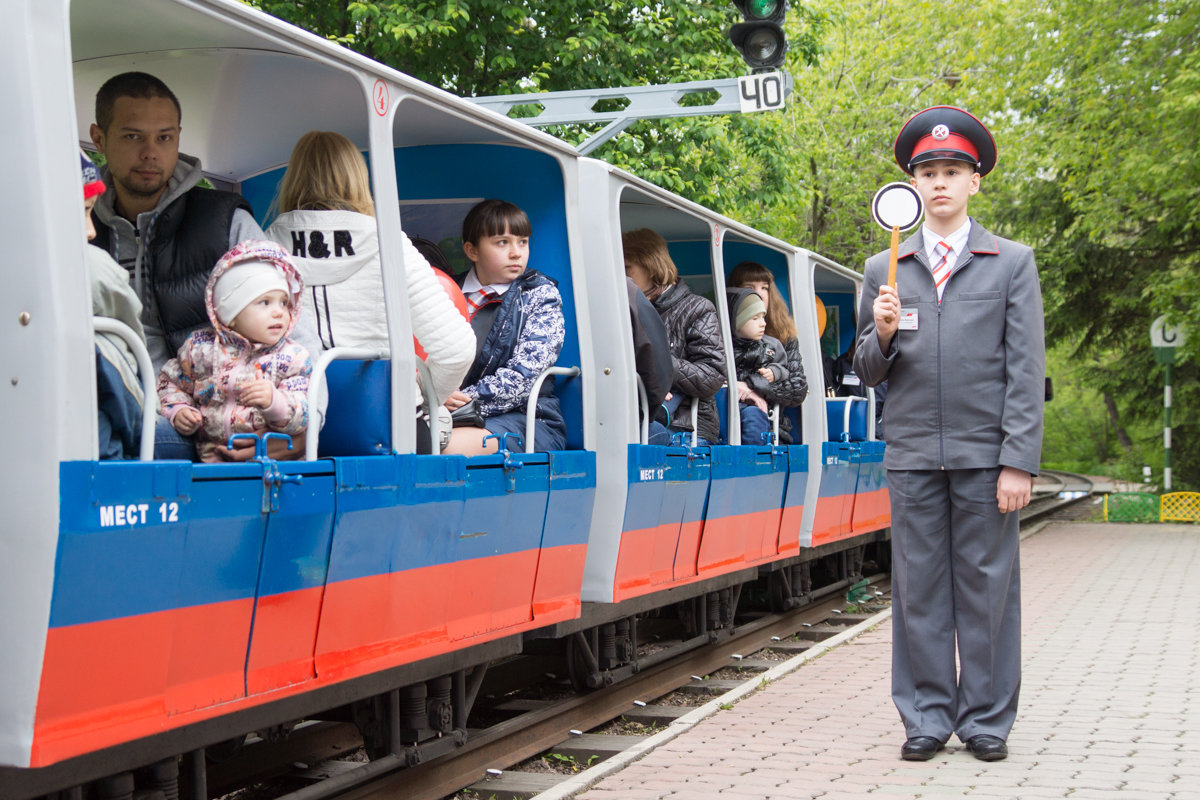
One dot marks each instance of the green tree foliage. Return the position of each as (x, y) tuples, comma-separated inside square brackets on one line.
[(1095, 107), (486, 47), (489, 47), (1106, 186)]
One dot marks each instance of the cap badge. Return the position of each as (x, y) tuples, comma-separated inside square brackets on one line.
[(941, 132)]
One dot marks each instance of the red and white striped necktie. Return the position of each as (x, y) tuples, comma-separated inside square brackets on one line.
[(478, 299), (941, 270)]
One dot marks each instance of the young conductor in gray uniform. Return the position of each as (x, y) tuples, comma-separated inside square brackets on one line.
[(960, 341)]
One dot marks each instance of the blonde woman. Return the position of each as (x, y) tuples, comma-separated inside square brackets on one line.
[(327, 224)]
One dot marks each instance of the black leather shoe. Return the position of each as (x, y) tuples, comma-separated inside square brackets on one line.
[(920, 748), (987, 748)]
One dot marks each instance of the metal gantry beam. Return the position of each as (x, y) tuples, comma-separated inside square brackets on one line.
[(643, 102)]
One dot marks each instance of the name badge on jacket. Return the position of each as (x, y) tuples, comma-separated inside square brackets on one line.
[(908, 319)]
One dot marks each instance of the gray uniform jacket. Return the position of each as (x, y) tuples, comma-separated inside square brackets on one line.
[(966, 388)]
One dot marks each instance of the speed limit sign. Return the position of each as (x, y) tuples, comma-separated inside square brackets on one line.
[(763, 91)]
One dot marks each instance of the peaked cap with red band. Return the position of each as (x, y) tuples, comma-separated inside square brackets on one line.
[(945, 132)]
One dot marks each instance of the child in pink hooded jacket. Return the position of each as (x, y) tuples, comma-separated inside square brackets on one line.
[(243, 375)]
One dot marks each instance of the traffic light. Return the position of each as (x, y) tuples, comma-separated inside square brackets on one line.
[(759, 37)]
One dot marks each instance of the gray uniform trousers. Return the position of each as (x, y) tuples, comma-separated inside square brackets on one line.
[(955, 578)]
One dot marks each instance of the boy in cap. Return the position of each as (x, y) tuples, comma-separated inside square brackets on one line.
[(759, 360), (119, 394), (243, 375), (960, 341)]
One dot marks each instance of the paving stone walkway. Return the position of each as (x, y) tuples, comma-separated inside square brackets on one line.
[(1110, 700)]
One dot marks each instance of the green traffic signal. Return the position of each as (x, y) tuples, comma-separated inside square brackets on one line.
[(762, 9), (759, 36)]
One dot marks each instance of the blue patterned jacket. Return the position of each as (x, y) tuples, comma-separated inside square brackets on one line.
[(525, 338)]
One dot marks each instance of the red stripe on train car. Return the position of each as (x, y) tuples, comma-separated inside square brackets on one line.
[(559, 582), (790, 523), (381, 621), (143, 678), (735, 541), (646, 558), (285, 636), (111, 681), (831, 519), (688, 552), (872, 511)]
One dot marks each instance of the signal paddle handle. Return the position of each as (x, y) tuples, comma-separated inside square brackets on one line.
[(892, 260)]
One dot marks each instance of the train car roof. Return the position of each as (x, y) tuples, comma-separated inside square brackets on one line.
[(676, 218), (231, 63)]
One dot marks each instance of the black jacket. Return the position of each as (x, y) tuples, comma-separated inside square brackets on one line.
[(187, 239), (651, 346), (694, 331)]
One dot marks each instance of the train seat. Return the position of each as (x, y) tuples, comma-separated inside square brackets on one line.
[(357, 420), (847, 415)]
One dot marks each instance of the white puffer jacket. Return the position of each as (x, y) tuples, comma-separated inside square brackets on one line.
[(337, 255)]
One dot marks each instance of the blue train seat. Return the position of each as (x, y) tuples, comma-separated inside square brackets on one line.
[(721, 398), (358, 420), (835, 413)]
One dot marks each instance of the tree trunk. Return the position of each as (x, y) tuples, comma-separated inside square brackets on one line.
[(1115, 417)]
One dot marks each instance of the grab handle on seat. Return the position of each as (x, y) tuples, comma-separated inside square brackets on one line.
[(316, 384), (531, 405)]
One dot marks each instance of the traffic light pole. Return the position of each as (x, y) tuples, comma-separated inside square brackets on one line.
[(643, 102)]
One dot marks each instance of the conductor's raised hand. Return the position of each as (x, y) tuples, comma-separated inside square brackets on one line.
[(886, 312)]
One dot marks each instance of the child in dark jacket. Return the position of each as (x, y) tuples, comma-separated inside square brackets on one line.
[(517, 317), (759, 360)]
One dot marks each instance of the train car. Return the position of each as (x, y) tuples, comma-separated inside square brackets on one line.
[(158, 608), (696, 524)]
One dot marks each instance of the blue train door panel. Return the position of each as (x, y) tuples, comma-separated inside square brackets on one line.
[(791, 521), (741, 525), (291, 581), (428, 550), (155, 587)]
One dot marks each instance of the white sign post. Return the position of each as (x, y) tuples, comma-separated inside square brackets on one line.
[(1166, 340)]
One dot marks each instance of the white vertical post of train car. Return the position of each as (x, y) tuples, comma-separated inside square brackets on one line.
[(733, 426), (1166, 341), (383, 97)]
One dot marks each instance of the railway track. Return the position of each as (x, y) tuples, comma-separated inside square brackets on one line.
[(313, 762)]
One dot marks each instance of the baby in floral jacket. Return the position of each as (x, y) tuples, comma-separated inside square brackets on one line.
[(243, 375)]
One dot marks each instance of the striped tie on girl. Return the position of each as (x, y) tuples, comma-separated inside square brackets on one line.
[(478, 299)]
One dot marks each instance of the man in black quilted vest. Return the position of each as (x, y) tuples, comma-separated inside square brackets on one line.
[(157, 223)]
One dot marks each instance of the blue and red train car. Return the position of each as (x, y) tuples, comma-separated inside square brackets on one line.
[(156, 608)]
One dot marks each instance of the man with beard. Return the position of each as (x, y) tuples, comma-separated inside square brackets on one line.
[(157, 223)]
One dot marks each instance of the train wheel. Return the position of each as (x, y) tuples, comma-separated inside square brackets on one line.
[(582, 667), (779, 591)]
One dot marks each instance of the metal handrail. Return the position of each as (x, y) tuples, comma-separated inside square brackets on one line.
[(849, 402), (644, 404), (317, 382), (695, 421), (145, 372), (531, 405)]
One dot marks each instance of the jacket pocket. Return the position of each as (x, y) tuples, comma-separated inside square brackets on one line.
[(980, 296)]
